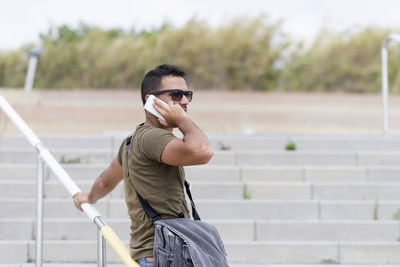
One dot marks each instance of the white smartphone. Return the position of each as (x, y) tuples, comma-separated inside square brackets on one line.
[(149, 107)]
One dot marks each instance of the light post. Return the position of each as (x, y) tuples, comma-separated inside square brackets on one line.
[(385, 80), (34, 54)]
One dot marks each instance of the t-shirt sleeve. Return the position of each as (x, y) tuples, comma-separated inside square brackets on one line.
[(121, 151), (153, 142)]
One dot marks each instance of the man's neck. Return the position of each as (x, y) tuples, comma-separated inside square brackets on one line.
[(155, 123)]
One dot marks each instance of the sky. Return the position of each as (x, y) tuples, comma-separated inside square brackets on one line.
[(21, 21)]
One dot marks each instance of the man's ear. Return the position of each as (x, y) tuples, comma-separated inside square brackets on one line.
[(146, 97)]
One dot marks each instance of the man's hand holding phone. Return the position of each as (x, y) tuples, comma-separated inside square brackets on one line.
[(149, 106), (173, 114)]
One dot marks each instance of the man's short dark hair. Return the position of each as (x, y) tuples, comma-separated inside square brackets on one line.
[(152, 80)]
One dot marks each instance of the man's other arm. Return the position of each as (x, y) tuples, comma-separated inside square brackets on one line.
[(103, 185)]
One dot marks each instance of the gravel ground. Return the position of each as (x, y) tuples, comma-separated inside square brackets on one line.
[(99, 111)]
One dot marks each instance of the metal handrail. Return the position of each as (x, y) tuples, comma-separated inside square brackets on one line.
[(44, 156), (385, 80)]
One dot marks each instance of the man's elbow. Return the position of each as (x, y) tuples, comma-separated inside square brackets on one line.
[(206, 155), (103, 185)]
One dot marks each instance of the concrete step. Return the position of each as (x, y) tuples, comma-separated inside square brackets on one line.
[(289, 174), (314, 252), (204, 172), (28, 171), (123, 265), (222, 142), (229, 173), (368, 231), (325, 191), (296, 210), (82, 229), (310, 210), (86, 156), (63, 156), (91, 171), (53, 208), (319, 174), (230, 230), (230, 264), (62, 141), (238, 252), (316, 158), (346, 143), (231, 190), (213, 173), (54, 189), (287, 210), (303, 142), (356, 191), (240, 158)]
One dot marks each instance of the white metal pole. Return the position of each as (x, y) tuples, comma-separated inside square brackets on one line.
[(39, 211), (101, 242), (101, 249), (384, 89), (30, 76), (385, 80)]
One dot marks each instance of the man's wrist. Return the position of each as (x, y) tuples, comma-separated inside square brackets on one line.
[(91, 199), (183, 122)]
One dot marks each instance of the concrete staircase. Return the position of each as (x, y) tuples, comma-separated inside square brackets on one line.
[(334, 200)]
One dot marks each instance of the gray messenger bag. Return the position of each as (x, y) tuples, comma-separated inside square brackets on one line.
[(183, 242)]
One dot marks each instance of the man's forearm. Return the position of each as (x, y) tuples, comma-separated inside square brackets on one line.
[(194, 137), (103, 185), (99, 189), (106, 182)]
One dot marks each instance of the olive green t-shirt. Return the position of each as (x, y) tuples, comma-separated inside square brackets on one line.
[(161, 185)]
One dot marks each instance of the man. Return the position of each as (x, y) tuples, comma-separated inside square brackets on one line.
[(151, 164)]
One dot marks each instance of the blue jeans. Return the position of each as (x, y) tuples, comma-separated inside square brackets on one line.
[(143, 263)]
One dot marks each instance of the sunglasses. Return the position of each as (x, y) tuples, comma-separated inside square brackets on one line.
[(176, 94)]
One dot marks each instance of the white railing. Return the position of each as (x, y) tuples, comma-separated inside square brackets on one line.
[(44, 156), (385, 80)]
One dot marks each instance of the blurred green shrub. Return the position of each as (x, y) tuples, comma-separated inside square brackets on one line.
[(238, 55), (242, 54), (346, 61), (13, 67)]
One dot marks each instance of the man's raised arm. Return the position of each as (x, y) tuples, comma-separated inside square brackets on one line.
[(194, 148)]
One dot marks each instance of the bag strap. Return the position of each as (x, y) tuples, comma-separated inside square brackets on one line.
[(151, 213), (195, 214)]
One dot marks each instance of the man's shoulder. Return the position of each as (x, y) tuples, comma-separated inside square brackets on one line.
[(147, 130), (149, 141)]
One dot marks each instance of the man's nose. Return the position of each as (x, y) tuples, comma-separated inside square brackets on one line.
[(184, 100)]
